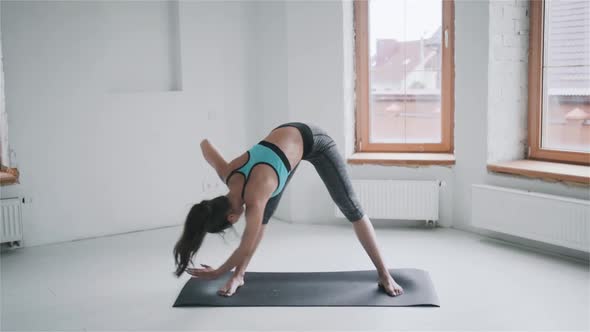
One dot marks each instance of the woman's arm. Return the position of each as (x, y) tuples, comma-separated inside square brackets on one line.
[(241, 268), (254, 213), (237, 279), (214, 159)]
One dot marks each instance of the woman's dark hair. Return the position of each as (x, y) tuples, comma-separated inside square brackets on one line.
[(209, 216)]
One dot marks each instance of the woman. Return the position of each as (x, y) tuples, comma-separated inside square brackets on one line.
[(256, 180)]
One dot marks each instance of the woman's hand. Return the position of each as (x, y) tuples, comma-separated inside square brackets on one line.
[(207, 273), (214, 158), (231, 286)]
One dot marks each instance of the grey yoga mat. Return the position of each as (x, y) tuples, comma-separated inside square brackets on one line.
[(312, 289)]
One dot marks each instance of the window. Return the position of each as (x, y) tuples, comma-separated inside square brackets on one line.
[(559, 81), (404, 65)]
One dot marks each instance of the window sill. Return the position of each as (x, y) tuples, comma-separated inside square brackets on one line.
[(402, 159), (8, 176), (6, 179), (544, 170)]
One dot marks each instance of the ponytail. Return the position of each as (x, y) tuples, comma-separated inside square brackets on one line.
[(209, 216)]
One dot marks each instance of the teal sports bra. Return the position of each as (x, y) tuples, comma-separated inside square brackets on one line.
[(269, 154)]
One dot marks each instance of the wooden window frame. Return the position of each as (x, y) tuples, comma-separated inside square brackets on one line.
[(363, 144), (535, 116)]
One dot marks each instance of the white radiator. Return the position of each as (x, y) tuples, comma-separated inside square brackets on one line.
[(548, 218), (398, 199), (11, 228)]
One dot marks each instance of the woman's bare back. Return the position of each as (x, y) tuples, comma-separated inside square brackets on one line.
[(263, 180)]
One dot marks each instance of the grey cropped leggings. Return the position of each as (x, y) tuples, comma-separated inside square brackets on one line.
[(320, 150)]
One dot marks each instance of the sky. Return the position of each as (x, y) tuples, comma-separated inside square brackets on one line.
[(403, 19)]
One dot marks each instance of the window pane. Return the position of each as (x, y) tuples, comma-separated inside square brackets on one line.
[(405, 71), (566, 76)]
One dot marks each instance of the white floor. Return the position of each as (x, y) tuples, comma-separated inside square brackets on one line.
[(125, 282)]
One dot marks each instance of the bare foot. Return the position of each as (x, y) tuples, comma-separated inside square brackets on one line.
[(390, 286), (231, 286)]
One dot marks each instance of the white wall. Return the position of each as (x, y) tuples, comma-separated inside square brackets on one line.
[(4, 147), (315, 93), (268, 76), (94, 161)]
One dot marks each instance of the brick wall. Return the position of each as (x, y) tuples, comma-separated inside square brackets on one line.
[(507, 84)]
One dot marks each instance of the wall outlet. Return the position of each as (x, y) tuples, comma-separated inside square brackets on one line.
[(211, 186)]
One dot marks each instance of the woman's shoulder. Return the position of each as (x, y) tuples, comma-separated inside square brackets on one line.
[(235, 164)]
